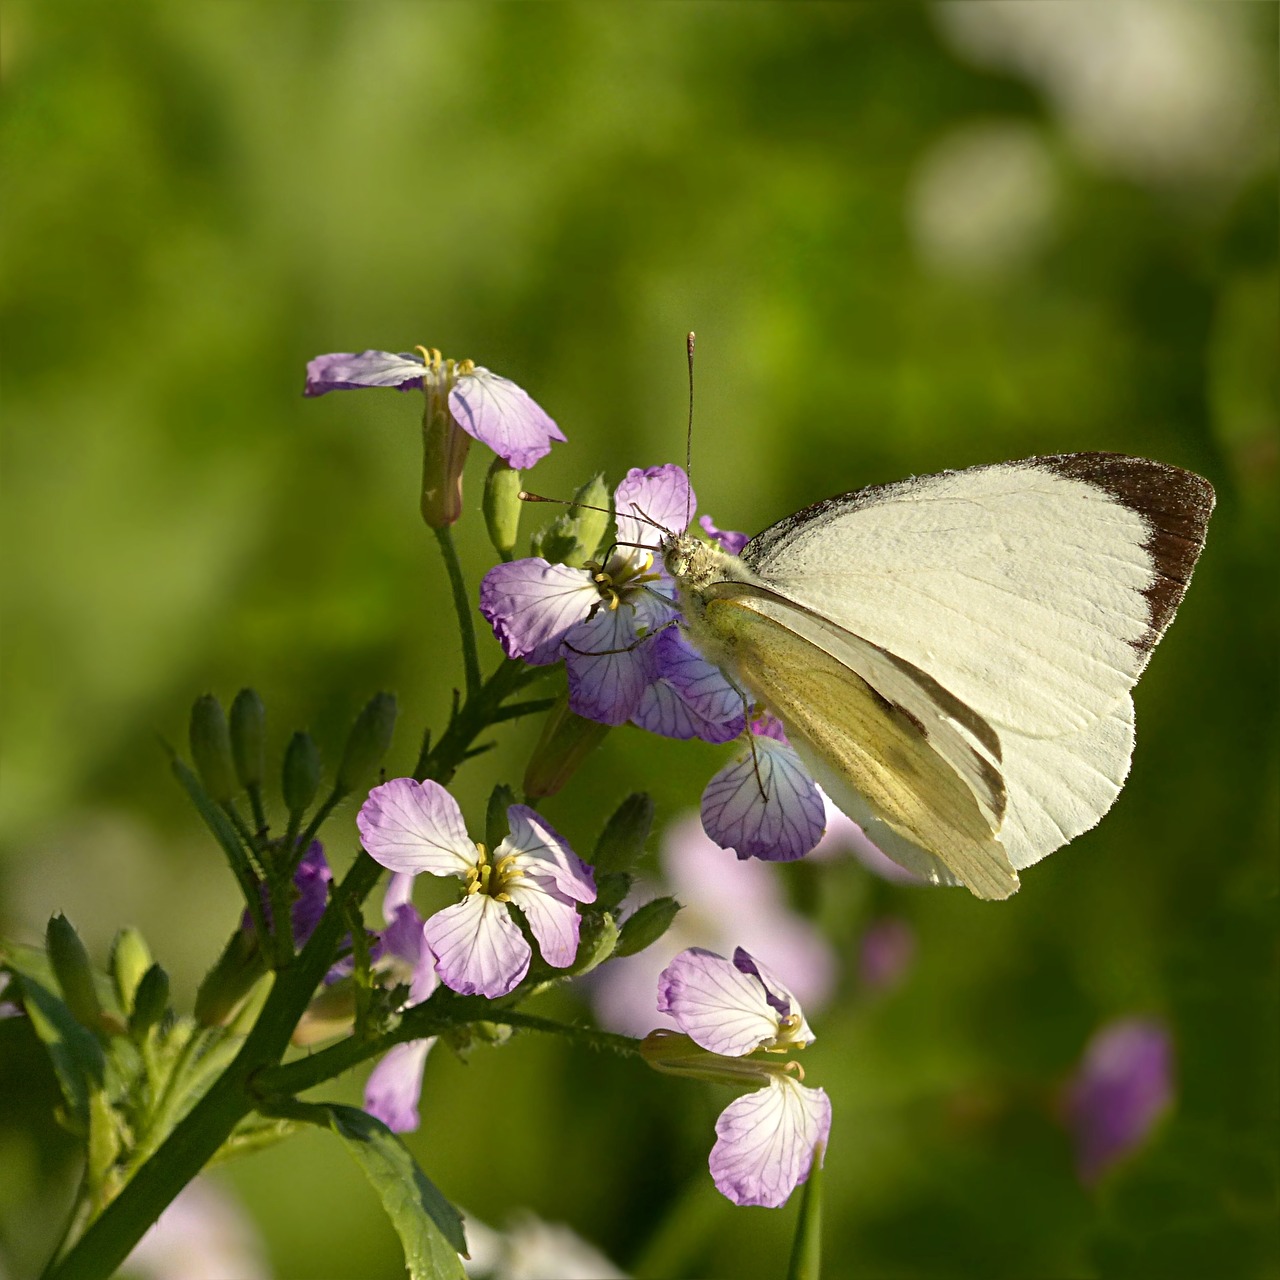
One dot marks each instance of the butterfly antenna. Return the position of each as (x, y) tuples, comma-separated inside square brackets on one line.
[(689, 343)]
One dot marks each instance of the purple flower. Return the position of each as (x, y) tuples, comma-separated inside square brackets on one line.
[(766, 1142), (394, 1087), (414, 827), (763, 804), (723, 899), (489, 408), (311, 880), (1123, 1086), (728, 540)]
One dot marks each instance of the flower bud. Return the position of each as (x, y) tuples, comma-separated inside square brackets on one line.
[(130, 959), (444, 451), (597, 941), (248, 737), (622, 841), (567, 739), (74, 972), (150, 1002), (211, 748), (367, 742), (301, 778), (573, 537), (331, 1013), (502, 507), (645, 925), (232, 977)]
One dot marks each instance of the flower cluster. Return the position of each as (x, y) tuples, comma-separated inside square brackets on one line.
[(766, 1142)]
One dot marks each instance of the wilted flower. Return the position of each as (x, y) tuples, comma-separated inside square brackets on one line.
[(488, 407), (766, 1141), (1123, 1086), (414, 827), (724, 900)]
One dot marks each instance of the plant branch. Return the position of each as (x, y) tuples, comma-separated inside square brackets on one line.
[(462, 604)]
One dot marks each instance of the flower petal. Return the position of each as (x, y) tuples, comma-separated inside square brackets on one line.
[(717, 1006), (344, 371), (707, 705), (415, 826), (479, 949), (730, 542), (394, 1087), (765, 1142), (774, 813), (780, 999), (657, 496), (542, 851), (504, 416), (531, 605), (608, 670), (399, 893), (553, 918)]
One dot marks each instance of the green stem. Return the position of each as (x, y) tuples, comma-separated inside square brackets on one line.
[(461, 603), (195, 1139)]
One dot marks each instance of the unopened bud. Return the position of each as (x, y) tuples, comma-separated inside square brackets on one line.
[(596, 942), (622, 841), (502, 507), (225, 986), (150, 1002), (367, 742), (567, 739), (301, 774), (573, 537), (331, 1013), (130, 959), (211, 748), (72, 968), (645, 925), (249, 737)]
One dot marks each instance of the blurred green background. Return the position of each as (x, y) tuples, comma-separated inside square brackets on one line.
[(909, 238)]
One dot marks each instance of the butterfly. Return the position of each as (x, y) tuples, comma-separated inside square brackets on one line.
[(952, 655)]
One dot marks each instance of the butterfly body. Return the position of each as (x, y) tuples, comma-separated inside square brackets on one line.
[(952, 655)]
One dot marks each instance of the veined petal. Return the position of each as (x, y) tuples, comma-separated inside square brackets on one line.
[(729, 541), (504, 416), (658, 495), (773, 812), (415, 826), (426, 978), (662, 710), (542, 851), (779, 997), (399, 893), (765, 1142), (344, 371), (607, 667), (717, 1006), (394, 1087), (553, 918), (531, 604), (479, 949), (714, 707)]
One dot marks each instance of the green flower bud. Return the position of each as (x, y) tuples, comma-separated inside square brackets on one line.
[(301, 778), (211, 748), (249, 737), (74, 972), (232, 977), (130, 959), (367, 742), (331, 1013), (596, 942), (496, 826), (611, 888), (567, 739), (645, 925), (622, 841), (573, 537), (502, 507), (150, 1002)]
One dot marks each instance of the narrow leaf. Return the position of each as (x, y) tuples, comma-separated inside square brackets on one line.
[(806, 1250)]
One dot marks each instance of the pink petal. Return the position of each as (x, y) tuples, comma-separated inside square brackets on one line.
[(553, 920), (765, 1142), (729, 541), (606, 664), (415, 826), (543, 851), (394, 1087), (504, 416), (343, 371), (531, 605), (659, 496), (479, 949), (716, 1005)]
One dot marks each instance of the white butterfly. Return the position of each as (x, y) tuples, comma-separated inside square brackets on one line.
[(952, 655)]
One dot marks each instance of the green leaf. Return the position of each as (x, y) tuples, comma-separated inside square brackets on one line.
[(77, 1057), (429, 1227), (806, 1251)]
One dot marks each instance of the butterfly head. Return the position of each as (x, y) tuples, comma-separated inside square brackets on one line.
[(691, 562)]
